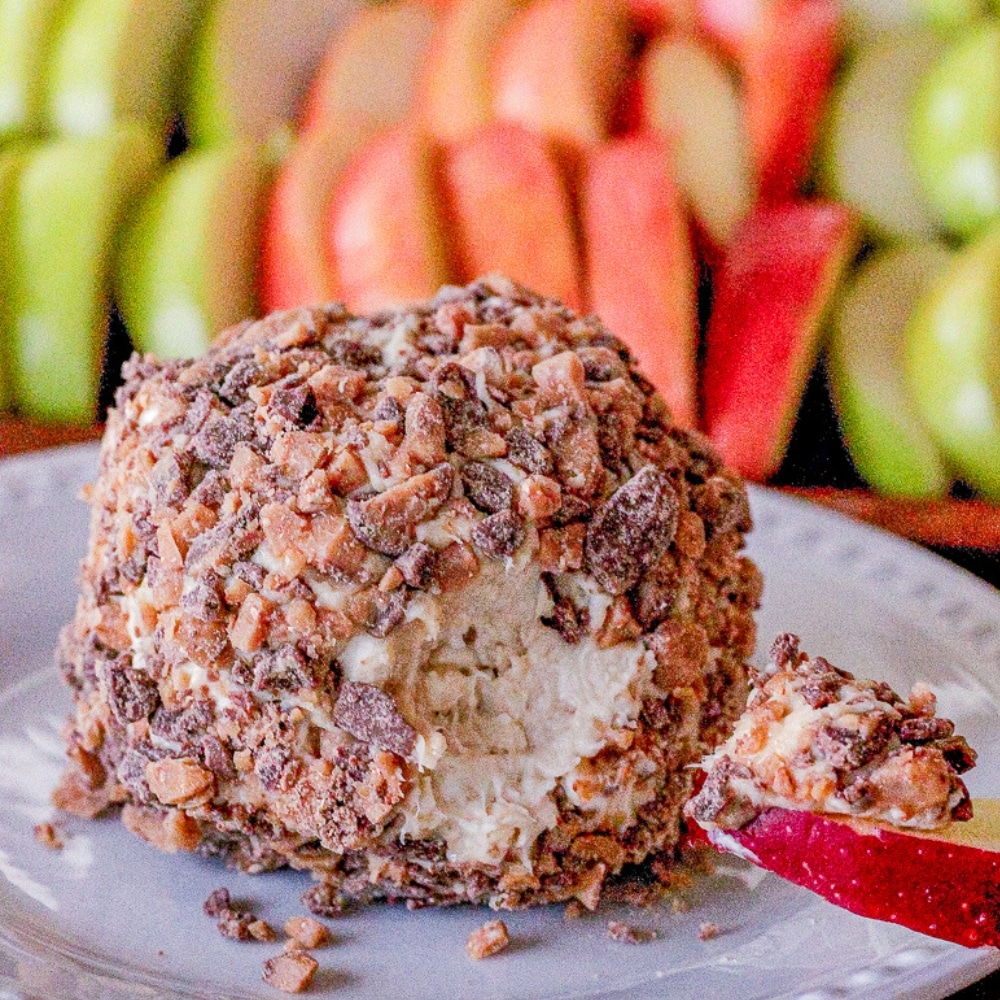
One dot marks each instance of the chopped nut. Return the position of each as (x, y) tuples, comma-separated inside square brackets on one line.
[(487, 940), (291, 972), (307, 931)]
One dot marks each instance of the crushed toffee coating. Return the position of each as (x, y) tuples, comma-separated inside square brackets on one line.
[(436, 604), (815, 737)]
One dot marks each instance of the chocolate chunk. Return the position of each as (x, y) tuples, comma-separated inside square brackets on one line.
[(218, 901), (276, 768), (925, 730), (632, 529), (499, 535), (294, 404), (170, 480), (487, 487), (352, 353), (186, 725), (527, 452), (958, 753), (203, 600), (417, 565), (244, 374), (283, 669), (132, 694), (216, 442), (324, 900), (370, 715), (388, 611), (722, 504)]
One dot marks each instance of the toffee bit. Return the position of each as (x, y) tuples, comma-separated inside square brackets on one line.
[(290, 972), (627, 934), (488, 940), (307, 931), (48, 835)]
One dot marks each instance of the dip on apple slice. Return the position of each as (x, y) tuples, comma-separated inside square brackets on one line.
[(840, 786)]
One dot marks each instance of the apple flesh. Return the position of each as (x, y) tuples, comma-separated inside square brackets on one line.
[(943, 883), (640, 263), (558, 69), (689, 97), (455, 94), (887, 438), (187, 258), (955, 131), (114, 59), (773, 288), (253, 61), (370, 70), (509, 211), (866, 160), (26, 29), (69, 199), (951, 351), (11, 162), (294, 270), (383, 228)]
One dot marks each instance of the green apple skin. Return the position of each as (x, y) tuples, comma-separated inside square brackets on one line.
[(955, 131), (232, 96), (864, 158), (186, 264), (12, 160), (69, 200), (115, 59), (953, 362), (885, 434), (26, 30)]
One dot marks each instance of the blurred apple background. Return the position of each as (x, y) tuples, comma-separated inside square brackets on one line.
[(789, 209)]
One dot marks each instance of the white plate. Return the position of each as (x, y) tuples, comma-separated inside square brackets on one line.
[(110, 917)]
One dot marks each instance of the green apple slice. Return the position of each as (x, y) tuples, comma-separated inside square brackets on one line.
[(253, 62), (888, 440), (116, 59), (187, 258), (866, 161), (955, 131), (866, 20), (11, 162), (952, 340), (26, 28), (69, 199)]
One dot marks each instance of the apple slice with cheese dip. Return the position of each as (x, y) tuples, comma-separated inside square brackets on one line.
[(839, 785)]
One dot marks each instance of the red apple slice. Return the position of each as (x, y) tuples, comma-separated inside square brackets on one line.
[(370, 70), (689, 96), (455, 95), (773, 289), (640, 268), (383, 231), (559, 67), (944, 883), (294, 270), (510, 211), (787, 66)]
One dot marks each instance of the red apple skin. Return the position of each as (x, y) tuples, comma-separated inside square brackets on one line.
[(383, 229), (942, 883), (654, 17), (293, 269), (509, 211), (559, 67), (773, 287), (787, 66), (639, 263)]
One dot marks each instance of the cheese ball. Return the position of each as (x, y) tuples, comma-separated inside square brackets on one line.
[(437, 604)]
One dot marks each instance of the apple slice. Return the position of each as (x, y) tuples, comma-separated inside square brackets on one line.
[(775, 284), (865, 160), (951, 351), (370, 70), (294, 270), (944, 883), (187, 258), (868, 20), (688, 95), (383, 234), (11, 163), (640, 265), (26, 30), (888, 440), (955, 131), (455, 95), (113, 59), (787, 66), (253, 62), (70, 197), (509, 211), (558, 69)]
